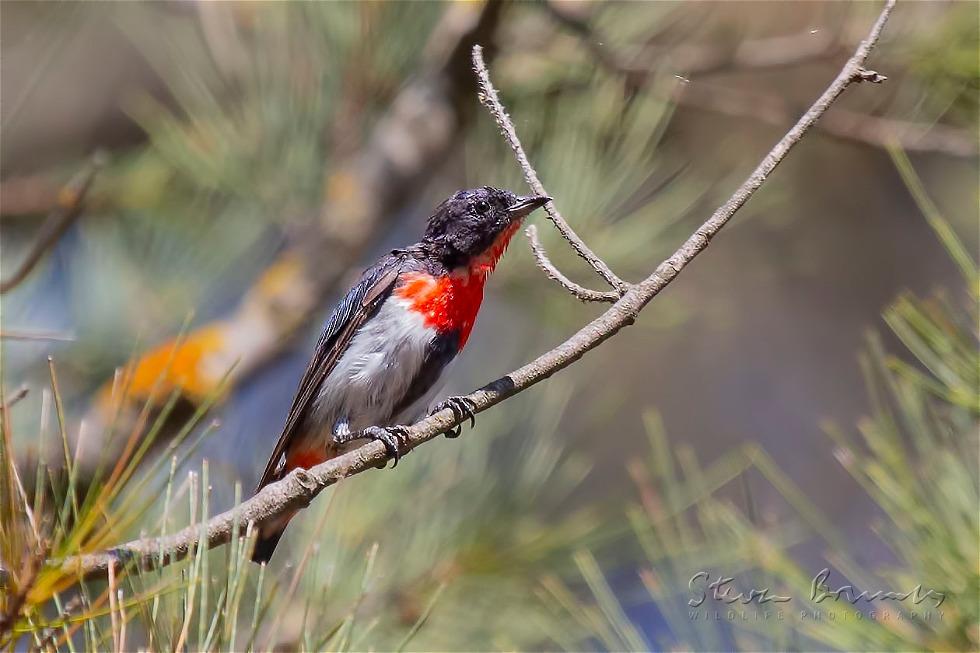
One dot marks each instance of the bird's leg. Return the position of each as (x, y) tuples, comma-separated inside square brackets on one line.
[(462, 408), (390, 436), (341, 433)]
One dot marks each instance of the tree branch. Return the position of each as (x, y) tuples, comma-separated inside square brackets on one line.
[(71, 201), (490, 99), (301, 486)]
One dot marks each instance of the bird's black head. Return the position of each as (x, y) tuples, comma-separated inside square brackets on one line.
[(472, 222)]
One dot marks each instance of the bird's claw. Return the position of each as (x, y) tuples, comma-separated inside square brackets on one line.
[(462, 407), (390, 436)]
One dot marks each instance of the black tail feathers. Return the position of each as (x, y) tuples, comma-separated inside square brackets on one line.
[(265, 546)]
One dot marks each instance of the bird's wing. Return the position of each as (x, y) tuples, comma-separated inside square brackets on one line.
[(359, 304)]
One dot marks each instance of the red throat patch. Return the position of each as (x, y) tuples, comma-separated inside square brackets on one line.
[(451, 303)]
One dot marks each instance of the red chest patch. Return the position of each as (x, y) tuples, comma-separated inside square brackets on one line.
[(446, 303), (305, 458), (451, 303)]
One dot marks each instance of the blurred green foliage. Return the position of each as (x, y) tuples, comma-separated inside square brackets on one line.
[(944, 59), (915, 455)]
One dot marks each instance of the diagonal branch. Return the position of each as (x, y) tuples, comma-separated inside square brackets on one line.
[(490, 99), (71, 202), (19, 394), (301, 486)]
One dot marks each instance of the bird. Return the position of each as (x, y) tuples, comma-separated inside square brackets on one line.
[(380, 356)]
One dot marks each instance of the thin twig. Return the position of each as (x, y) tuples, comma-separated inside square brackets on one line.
[(549, 268), (5, 404), (71, 203), (490, 99), (301, 486)]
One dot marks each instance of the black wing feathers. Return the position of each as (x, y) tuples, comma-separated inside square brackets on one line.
[(360, 303)]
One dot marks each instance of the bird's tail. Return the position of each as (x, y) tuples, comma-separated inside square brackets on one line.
[(269, 536), (271, 532), (266, 543)]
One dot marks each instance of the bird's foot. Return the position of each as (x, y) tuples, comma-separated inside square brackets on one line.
[(462, 407), (392, 437)]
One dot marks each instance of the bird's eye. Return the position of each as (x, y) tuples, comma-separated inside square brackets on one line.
[(482, 206)]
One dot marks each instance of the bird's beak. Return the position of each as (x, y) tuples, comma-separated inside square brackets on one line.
[(525, 205)]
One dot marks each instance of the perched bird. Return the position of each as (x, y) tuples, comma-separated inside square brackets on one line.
[(379, 359)]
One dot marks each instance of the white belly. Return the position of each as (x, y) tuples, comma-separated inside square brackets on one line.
[(375, 373)]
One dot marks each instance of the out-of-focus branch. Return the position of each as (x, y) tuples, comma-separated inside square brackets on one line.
[(839, 122), (18, 394), (754, 54), (7, 334), (28, 195), (490, 99), (701, 58), (71, 202), (362, 195), (553, 273), (301, 486)]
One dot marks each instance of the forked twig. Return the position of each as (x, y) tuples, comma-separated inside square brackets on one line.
[(549, 268), (490, 99)]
